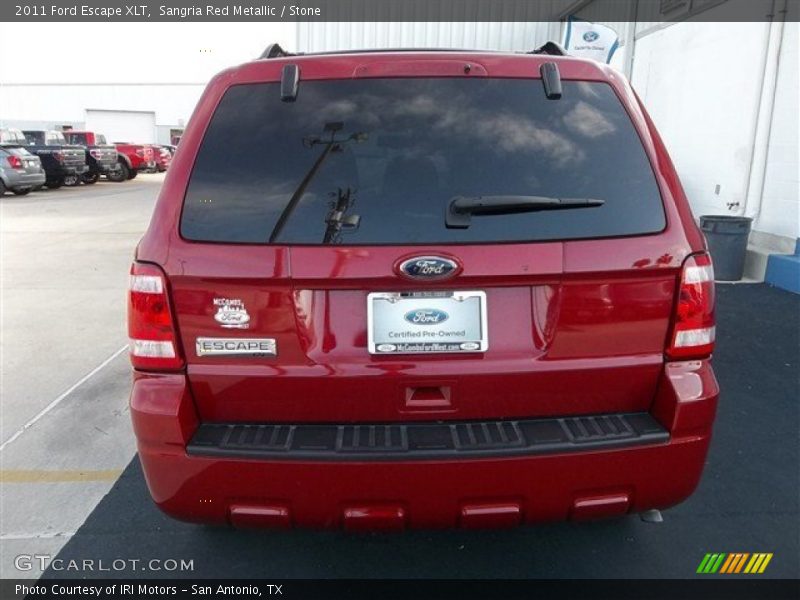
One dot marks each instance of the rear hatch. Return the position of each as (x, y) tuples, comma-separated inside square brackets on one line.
[(73, 156), (491, 306), (105, 155)]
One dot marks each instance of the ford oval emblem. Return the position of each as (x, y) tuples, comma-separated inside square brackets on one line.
[(429, 267), (426, 316)]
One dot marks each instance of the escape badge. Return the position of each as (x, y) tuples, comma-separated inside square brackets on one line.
[(231, 313)]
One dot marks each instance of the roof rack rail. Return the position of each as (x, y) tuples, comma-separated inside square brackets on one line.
[(551, 48), (275, 51)]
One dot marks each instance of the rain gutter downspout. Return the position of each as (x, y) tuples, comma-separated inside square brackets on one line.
[(756, 177)]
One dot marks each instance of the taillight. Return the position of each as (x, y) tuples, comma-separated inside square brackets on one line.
[(694, 328), (15, 162), (151, 329)]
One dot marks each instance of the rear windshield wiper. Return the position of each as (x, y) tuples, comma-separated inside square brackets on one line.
[(461, 208)]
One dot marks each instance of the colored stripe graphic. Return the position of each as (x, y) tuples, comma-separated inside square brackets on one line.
[(740, 564), (730, 563), (758, 563), (717, 564), (702, 567), (765, 563), (733, 563), (711, 563)]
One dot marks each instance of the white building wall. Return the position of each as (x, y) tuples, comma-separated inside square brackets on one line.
[(702, 92), (703, 86), (158, 67), (57, 104), (780, 207), (508, 36)]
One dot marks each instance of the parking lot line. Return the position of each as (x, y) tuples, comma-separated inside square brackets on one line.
[(44, 535), (37, 476), (55, 402)]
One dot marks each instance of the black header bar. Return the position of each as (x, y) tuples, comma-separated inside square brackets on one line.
[(388, 10)]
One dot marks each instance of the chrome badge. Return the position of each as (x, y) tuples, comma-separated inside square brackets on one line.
[(429, 267), (231, 313), (426, 316), (208, 346)]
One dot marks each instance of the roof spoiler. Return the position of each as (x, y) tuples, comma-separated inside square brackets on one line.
[(551, 48), (275, 51)]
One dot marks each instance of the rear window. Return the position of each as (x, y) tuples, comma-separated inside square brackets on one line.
[(35, 137), (378, 161), (17, 151), (55, 138), (78, 139)]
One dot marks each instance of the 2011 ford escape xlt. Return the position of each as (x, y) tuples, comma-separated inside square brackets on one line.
[(420, 289)]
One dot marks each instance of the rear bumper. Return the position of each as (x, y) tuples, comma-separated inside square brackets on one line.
[(74, 169), (104, 166), (24, 181), (436, 492)]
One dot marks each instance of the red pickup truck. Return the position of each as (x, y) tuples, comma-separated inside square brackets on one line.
[(132, 158)]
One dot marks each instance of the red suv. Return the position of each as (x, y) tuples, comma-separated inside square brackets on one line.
[(421, 289)]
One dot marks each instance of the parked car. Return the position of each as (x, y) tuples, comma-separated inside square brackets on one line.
[(20, 171), (64, 164), (101, 156), (462, 289), (134, 158), (162, 156)]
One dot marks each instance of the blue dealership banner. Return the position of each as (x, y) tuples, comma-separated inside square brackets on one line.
[(590, 40)]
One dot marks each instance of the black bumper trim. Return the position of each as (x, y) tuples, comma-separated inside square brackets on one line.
[(425, 440)]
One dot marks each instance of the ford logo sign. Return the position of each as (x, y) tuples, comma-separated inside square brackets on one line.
[(590, 36), (426, 316), (428, 267)]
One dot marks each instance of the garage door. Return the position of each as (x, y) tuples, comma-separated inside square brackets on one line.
[(123, 125)]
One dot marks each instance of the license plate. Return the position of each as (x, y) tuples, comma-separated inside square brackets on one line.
[(426, 322)]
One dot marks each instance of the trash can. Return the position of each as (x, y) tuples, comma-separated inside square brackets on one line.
[(727, 241)]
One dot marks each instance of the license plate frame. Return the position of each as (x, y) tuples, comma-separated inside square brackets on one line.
[(469, 308)]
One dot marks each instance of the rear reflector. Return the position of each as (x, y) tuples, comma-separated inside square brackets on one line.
[(153, 340), (694, 325), (152, 349), (147, 284)]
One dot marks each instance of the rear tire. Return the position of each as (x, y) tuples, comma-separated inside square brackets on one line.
[(72, 180), (91, 177), (2, 188), (132, 174), (120, 174), (24, 192)]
